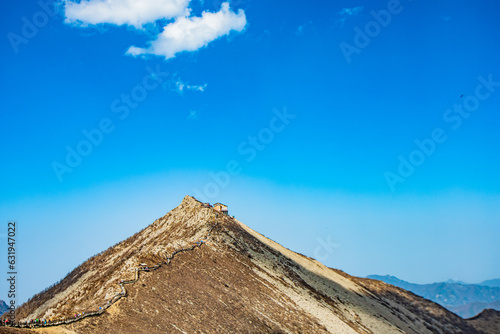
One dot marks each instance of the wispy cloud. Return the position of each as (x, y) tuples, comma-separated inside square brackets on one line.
[(345, 13), (180, 86), (182, 33), (193, 114), (193, 33), (351, 11)]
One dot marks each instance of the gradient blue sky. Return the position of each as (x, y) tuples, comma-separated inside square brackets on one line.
[(321, 179)]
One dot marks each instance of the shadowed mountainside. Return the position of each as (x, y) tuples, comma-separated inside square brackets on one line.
[(487, 321)]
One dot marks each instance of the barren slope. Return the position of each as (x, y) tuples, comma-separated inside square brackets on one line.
[(237, 282), (487, 321)]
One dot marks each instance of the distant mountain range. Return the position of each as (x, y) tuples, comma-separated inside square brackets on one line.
[(3, 307), (495, 283), (466, 300)]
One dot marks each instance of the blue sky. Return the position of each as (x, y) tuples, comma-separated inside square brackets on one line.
[(332, 123)]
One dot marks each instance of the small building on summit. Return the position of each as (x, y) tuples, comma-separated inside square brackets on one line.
[(221, 208)]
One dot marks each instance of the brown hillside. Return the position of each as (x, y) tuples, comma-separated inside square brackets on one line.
[(487, 321)]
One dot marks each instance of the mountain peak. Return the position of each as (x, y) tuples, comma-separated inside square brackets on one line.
[(189, 200), (197, 265)]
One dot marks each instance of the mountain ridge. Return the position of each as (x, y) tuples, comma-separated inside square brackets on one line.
[(466, 300), (491, 282)]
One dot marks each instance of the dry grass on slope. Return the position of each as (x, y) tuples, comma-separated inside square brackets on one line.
[(487, 321)]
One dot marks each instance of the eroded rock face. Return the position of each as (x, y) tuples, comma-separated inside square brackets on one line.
[(237, 281)]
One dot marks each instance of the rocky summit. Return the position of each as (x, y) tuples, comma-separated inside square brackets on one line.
[(199, 270)]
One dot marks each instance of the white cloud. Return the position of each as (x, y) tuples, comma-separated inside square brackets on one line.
[(123, 12), (185, 33), (193, 33), (180, 86)]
